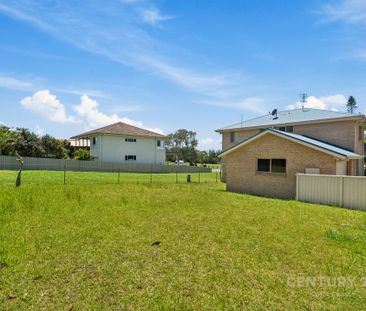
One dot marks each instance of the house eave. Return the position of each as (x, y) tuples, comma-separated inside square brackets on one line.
[(307, 144)]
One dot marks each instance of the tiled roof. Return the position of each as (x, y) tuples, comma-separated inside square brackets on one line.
[(288, 117), (311, 142), (120, 128)]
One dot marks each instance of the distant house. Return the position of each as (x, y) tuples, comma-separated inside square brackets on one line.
[(121, 142), (262, 156)]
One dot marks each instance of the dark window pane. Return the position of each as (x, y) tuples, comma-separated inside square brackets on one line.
[(232, 137), (263, 165), (289, 129), (158, 143), (282, 128), (278, 165)]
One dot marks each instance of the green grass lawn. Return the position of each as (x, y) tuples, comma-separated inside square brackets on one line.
[(87, 246)]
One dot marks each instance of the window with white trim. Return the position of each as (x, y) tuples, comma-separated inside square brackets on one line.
[(130, 157), (130, 140)]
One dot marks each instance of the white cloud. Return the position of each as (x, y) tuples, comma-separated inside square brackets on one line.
[(350, 11), (88, 113), (209, 143), (14, 84), (39, 130), (46, 104), (332, 102), (88, 110), (153, 16)]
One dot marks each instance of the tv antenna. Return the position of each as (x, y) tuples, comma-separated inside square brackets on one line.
[(303, 99)]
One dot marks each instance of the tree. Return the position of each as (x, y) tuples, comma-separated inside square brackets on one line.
[(7, 138), (351, 104), (69, 149), (182, 145), (83, 155), (28, 144), (52, 147)]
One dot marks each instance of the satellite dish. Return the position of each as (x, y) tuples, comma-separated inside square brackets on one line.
[(274, 114)]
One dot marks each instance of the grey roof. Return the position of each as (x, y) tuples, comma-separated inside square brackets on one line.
[(120, 128), (291, 117), (326, 147)]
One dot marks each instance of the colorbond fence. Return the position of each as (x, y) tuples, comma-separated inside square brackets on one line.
[(343, 191), (10, 163)]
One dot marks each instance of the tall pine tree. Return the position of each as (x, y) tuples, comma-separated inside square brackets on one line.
[(351, 105)]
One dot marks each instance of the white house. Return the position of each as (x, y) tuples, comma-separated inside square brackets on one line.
[(121, 142)]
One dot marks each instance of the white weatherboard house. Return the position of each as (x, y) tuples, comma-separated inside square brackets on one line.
[(121, 142)]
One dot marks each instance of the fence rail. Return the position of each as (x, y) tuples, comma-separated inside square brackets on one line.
[(10, 163), (343, 191)]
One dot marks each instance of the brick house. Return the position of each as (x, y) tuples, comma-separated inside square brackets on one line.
[(262, 156)]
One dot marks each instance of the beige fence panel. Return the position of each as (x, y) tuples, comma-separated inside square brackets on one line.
[(354, 192), (10, 163), (343, 191)]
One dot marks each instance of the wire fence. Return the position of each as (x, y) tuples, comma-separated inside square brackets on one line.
[(8, 177)]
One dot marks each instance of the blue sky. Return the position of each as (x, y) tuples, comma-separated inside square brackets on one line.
[(68, 66)]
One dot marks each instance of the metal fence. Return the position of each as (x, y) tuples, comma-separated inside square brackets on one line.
[(10, 163), (343, 191)]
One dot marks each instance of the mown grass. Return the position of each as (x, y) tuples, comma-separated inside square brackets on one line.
[(88, 247)]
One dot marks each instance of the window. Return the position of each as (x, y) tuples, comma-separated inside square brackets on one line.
[(232, 137), (130, 158), (263, 165), (289, 129), (271, 166), (94, 140), (361, 133), (160, 144), (130, 140), (278, 166)]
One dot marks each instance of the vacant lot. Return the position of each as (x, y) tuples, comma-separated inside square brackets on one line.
[(89, 247)]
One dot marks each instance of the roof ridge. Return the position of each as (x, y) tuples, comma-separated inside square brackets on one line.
[(121, 128)]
